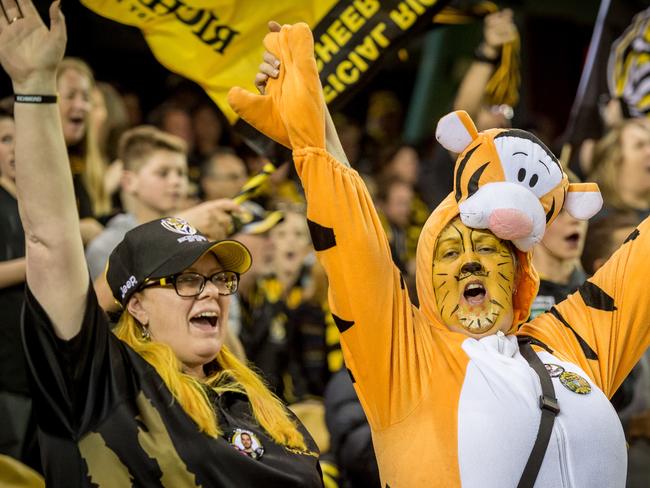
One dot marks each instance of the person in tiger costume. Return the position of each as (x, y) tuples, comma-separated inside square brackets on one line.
[(449, 397)]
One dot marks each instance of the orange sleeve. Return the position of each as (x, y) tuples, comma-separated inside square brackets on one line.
[(604, 327), (367, 295)]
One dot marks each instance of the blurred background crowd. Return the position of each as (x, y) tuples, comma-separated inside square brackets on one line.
[(145, 143)]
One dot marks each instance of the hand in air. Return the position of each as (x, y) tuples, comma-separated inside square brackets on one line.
[(289, 108), (498, 29), (29, 51)]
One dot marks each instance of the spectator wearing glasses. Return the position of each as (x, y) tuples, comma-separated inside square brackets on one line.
[(161, 401)]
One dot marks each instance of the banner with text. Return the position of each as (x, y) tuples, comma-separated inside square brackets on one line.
[(218, 43)]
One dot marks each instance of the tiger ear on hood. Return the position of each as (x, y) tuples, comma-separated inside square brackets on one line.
[(456, 131), (583, 200)]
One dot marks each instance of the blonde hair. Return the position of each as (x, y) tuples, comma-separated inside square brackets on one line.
[(231, 375), (92, 162), (607, 161)]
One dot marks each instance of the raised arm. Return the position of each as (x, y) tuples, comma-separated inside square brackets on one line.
[(55, 266), (498, 29), (605, 326), (367, 296)]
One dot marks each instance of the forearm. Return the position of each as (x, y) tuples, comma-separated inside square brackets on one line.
[(12, 272), (43, 179), (471, 90)]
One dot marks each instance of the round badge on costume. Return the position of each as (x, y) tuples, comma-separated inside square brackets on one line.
[(575, 383), (247, 443), (554, 370)]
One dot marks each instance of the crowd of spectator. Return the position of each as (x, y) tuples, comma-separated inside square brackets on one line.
[(185, 161)]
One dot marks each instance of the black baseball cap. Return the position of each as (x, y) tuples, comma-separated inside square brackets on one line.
[(163, 248)]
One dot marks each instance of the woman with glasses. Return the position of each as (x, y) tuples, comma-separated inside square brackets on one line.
[(161, 402)]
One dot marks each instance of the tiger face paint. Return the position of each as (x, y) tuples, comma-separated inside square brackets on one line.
[(473, 280)]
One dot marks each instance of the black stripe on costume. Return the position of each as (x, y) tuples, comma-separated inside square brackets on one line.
[(551, 210), (342, 325), (586, 349), (472, 186), (322, 237), (461, 169), (351, 375), (595, 297), (635, 233)]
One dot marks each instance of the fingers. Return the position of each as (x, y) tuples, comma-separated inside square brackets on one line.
[(271, 59), (260, 82), (499, 28), (11, 13), (26, 8), (268, 69), (226, 205), (57, 21)]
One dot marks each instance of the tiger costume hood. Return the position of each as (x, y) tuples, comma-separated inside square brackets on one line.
[(507, 181)]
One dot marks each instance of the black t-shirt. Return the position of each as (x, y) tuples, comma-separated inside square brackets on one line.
[(107, 419), (12, 246)]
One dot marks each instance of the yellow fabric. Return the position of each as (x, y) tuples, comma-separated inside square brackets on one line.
[(214, 42), (408, 367), (14, 474)]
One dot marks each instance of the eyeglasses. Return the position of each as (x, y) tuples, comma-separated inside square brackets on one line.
[(192, 284)]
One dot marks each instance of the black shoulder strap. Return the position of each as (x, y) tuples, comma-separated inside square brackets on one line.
[(550, 408)]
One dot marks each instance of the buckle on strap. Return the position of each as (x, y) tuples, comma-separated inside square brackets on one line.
[(550, 404)]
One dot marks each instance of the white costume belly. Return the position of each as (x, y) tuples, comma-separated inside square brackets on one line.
[(498, 419)]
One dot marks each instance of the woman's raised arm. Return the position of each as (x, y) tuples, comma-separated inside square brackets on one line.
[(55, 266)]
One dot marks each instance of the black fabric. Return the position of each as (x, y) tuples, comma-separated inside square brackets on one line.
[(99, 404), (267, 337), (284, 336), (459, 172), (13, 376), (84, 204), (350, 437), (586, 348), (595, 297), (550, 408), (342, 324), (322, 237), (635, 233)]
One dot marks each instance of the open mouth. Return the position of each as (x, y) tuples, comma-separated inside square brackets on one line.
[(205, 320), (474, 293), (573, 238), (76, 122)]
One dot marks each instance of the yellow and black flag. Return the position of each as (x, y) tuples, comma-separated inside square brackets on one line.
[(585, 120), (218, 43), (628, 70)]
